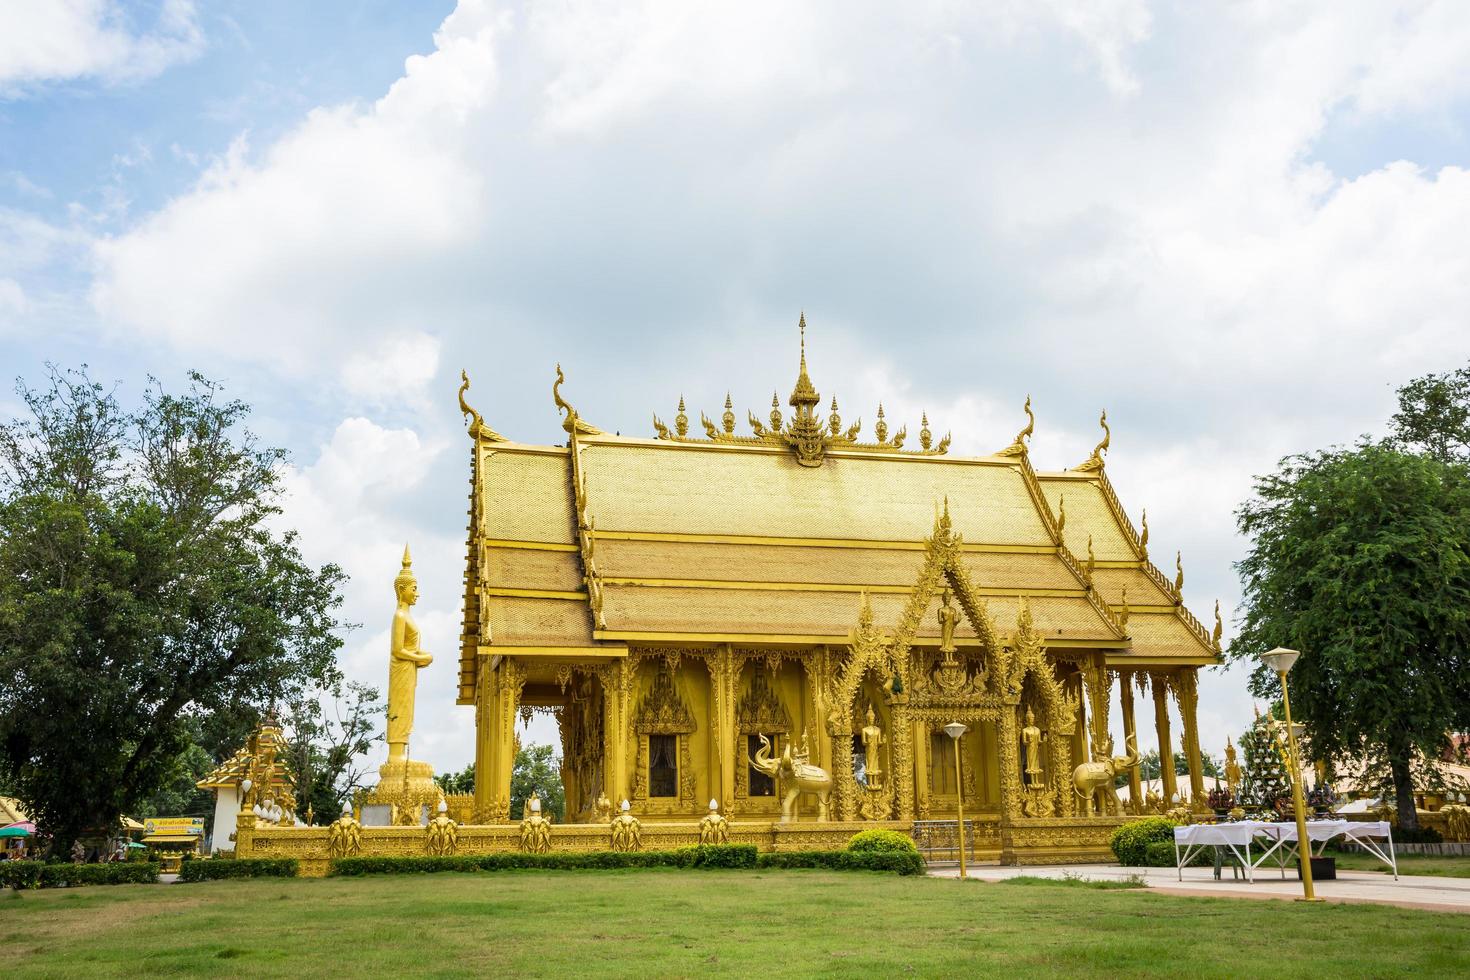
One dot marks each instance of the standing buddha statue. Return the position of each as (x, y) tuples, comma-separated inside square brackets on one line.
[(404, 663)]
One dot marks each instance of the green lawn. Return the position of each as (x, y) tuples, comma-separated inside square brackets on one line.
[(669, 923), (1409, 864)]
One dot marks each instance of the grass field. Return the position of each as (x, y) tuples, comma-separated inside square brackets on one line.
[(1409, 864), (669, 923)]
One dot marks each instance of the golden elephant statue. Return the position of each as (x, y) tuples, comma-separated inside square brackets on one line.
[(797, 775), (1090, 777)]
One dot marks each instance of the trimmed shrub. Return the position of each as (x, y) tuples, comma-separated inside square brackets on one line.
[(39, 874), (1160, 854), (701, 856), (892, 861), (247, 868), (1130, 842), (882, 842)]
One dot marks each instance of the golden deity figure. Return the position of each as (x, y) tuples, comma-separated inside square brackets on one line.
[(714, 828), (535, 828), (344, 837), (1031, 739), (872, 746), (441, 835), (627, 832), (949, 617), (602, 809), (1232, 768), (406, 660)]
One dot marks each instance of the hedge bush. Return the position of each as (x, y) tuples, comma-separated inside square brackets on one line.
[(701, 856), (882, 842), (39, 874), (1130, 842), (904, 864), (1160, 854), (247, 868)]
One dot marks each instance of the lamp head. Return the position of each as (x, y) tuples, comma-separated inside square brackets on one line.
[(1280, 659), (955, 729)]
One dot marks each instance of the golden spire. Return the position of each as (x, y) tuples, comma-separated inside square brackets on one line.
[(681, 421), (775, 412), (834, 422), (925, 436), (804, 395), (1179, 569), (882, 427), (1143, 538), (729, 417), (1018, 445), (1095, 461), (477, 424), (1219, 632)]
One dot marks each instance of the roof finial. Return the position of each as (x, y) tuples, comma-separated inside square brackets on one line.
[(1143, 538), (834, 421), (1018, 444), (775, 412), (729, 417), (925, 436), (1179, 569), (477, 423), (681, 421), (804, 395), (882, 427), (1219, 628), (1091, 560), (1095, 461), (1061, 514), (573, 422), (1124, 612)]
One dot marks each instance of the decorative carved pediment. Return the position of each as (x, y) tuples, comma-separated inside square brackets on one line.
[(760, 710), (662, 711)]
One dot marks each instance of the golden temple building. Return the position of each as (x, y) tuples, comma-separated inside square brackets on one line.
[(703, 606)]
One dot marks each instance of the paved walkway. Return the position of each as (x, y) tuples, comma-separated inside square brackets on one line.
[(1410, 891)]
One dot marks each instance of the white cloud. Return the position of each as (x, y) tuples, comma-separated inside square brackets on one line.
[(12, 297), (1104, 205), (58, 40)]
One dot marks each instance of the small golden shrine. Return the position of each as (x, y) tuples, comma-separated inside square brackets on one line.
[(679, 602), (255, 780)]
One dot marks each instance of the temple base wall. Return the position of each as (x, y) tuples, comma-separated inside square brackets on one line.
[(1052, 841)]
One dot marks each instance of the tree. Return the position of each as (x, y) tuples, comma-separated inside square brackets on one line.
[(328, 755), (1360, 558), (178, 796), (537, 769), (462, 781), (144, 586), (1434, 416)]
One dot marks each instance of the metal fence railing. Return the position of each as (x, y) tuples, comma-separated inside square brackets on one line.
[(938, 840)]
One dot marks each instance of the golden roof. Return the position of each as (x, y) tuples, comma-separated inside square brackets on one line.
[(772, 538)]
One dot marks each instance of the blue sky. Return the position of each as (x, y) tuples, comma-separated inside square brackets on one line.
[(1235, 226)]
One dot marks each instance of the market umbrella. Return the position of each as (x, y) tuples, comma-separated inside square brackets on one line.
[(23, 829)]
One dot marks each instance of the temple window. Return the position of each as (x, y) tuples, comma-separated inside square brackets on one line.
[(941, 763), (663, 765), (760, 783), (859, 760)]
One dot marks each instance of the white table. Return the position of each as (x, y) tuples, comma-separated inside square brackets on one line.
[(1281, 840)]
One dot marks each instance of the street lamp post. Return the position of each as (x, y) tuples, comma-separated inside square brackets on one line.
[(1281, 660), (955, 730)]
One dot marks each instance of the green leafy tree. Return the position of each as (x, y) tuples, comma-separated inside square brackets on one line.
[(538, 769), (1434, 416), (327, 750), (459, 782), (178, 796), (1360, 558), (144, 586)]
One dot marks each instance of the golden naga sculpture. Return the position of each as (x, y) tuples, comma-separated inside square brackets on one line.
[(344, 836), (535, 829), (1018, 445), (1095, 461), (627, 832), (1090, 777), (805, 433), (407, 659), (441, 836), (797, 775), (714, 828)]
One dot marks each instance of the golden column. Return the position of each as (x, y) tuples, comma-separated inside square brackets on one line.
[(1130, 736), (1186, 692), (1160, 683)]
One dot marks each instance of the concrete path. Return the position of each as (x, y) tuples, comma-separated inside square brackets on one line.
[(1410, 891)]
